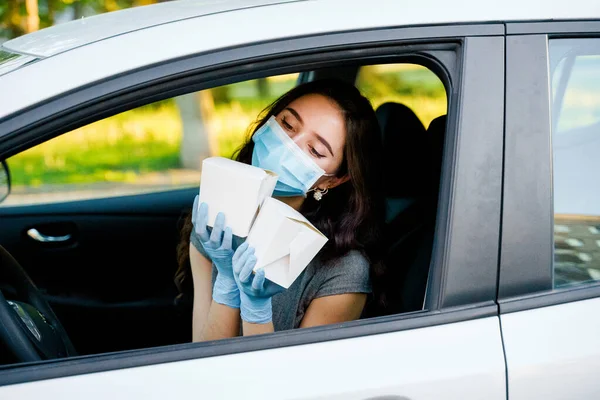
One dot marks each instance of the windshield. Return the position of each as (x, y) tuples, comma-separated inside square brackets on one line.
[(10, 61)]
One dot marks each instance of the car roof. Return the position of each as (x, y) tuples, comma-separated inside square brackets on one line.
[(73, 56), (69, 35), (73, 34)]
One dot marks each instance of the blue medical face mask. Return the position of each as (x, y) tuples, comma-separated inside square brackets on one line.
[(275, 151)]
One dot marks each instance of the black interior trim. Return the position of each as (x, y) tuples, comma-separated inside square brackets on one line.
[(527, 216), (554, 27), (28, 372), (564, 295)]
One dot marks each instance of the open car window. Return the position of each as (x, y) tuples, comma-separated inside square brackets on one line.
[(160, 147)]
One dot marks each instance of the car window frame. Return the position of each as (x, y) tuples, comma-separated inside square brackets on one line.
[(458, 255), (526, 267)]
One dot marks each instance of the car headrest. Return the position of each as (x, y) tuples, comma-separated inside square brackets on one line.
[(437, 125), (405, 153), (436, 132)]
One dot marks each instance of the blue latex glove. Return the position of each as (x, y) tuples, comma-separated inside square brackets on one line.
[(255, 290), (217, 245)]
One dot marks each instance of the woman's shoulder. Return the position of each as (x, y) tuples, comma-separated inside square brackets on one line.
[(349, 273), (353, 264), (351, 258)]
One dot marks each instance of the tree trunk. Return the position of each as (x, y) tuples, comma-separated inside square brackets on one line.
[(263, 87), (51, 12), (77, 10), (13, 19), (33, 16), (195, 110)]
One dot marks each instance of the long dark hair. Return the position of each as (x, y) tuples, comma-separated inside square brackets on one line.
[(351, 214)]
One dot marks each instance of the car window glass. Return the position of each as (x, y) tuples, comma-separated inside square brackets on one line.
[(581, 102), (155, 147), (10, 61), (556, 76), (576, 146)]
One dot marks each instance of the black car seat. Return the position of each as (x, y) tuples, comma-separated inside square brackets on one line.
[(404, 141), (413, 160), (414, 285), (436, 132), (405, 148)]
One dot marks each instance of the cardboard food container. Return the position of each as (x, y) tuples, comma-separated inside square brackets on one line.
[(235, 189), (284, 242)]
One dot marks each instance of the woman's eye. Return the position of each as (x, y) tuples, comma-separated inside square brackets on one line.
[(286, 125), (316, 153)]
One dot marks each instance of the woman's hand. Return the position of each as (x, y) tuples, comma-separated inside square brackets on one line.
[(218, 246), (255, 290)]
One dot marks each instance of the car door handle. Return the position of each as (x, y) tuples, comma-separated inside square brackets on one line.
[(40, 237)]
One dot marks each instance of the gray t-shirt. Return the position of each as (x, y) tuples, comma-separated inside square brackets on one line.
[(346, 274)]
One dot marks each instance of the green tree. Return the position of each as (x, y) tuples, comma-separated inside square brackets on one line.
[(11, 18), (18, 17)]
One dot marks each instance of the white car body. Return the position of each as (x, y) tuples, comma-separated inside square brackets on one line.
[(547, 352)]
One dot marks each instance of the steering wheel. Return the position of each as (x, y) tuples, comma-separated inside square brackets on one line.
[(28, 326)]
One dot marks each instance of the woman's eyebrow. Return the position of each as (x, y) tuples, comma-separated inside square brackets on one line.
[(295, 114)]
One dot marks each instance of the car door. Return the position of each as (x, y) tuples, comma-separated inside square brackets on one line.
[(550, 266), (450, 349), (106, 265)]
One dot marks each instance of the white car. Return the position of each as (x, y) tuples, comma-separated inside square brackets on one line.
[(498, 285)]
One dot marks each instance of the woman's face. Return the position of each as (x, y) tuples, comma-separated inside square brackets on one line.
[(316, 125)]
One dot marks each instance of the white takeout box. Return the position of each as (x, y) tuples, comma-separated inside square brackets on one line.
[(284, 242), (235, 189)]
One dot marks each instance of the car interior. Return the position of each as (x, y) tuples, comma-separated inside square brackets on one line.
[(108, 284)]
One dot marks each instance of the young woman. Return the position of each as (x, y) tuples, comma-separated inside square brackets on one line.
[(323, 140)]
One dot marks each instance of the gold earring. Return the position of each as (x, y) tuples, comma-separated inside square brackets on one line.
[(319, 193)]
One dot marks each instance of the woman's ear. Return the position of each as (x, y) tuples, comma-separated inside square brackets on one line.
[(333, 181)]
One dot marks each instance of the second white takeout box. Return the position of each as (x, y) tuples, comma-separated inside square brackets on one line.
[(235, 189), (284, 242)]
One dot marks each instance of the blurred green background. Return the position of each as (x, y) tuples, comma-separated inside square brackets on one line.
[(147, 145)]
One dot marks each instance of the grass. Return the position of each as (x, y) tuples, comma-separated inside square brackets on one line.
[(119, 149), (127, 146)]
